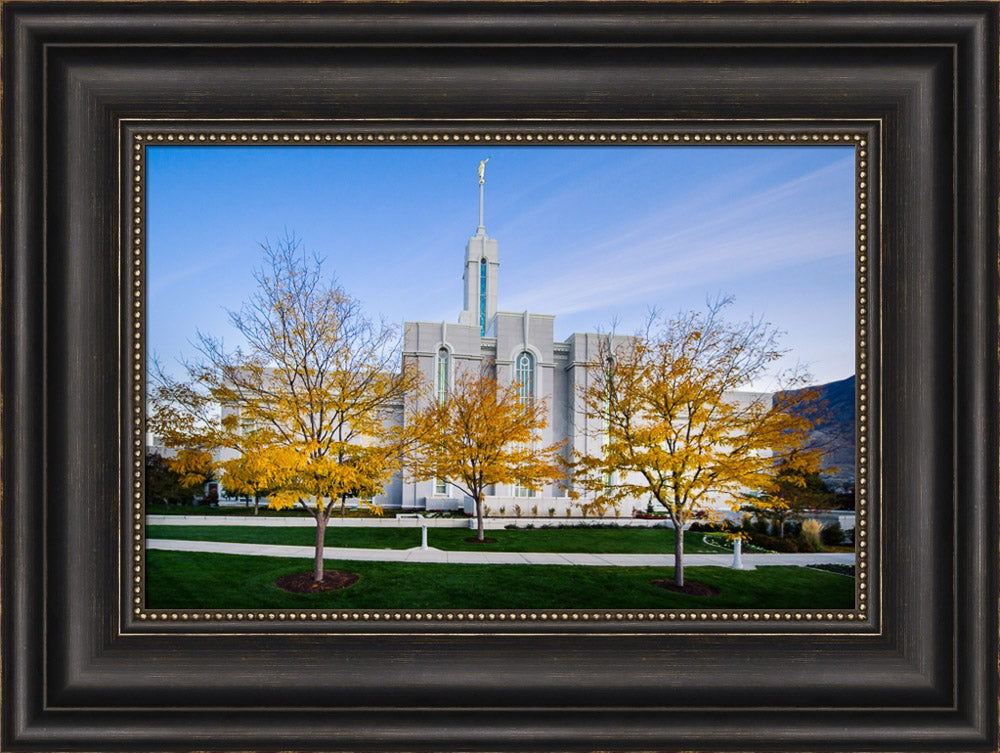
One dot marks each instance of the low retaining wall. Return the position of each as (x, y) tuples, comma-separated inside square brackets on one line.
[(495, 523), (549, 509)]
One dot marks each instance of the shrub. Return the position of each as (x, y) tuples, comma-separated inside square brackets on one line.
[(810, 531), (517, 511), (552, 512), (503, 511), (833, 534), (764, 541), (486, 511), (785, 546), (534, 510), (569, 512), (762, 525)]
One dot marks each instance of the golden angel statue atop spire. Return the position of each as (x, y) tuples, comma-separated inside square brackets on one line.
[(482, 170)]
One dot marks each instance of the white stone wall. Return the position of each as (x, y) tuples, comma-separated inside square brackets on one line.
[(515, 334), (549, 509)]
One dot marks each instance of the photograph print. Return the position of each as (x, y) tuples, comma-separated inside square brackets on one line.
[(500, 376)]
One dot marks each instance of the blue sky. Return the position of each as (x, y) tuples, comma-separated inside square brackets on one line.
[(591, 234)]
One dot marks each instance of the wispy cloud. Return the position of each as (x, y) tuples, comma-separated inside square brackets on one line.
[(694, 244)]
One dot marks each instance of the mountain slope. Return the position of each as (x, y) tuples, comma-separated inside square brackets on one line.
[(835, 431)]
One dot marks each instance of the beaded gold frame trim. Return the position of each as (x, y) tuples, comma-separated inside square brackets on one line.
[(136, 136)]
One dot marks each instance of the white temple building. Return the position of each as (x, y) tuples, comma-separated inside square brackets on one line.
[(522, 347)]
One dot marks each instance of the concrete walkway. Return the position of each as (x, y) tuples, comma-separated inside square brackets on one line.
[(750, 561)]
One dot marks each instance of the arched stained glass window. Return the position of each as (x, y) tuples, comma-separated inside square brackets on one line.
[(525, 375), (442, 374), (482, 296)]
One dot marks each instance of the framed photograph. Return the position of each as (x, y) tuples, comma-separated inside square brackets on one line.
[(674, 328)]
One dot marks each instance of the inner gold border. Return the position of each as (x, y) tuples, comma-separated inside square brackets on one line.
[(264, 133)]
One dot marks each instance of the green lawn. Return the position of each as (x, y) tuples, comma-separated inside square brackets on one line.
[(195, 580), (595, 540)]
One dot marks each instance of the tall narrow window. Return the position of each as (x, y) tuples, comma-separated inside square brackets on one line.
[(610, 478), (482, 296), (442, 375), (525, 376), (440, 485)]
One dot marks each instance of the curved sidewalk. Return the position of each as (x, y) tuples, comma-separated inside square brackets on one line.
[(750, 561)]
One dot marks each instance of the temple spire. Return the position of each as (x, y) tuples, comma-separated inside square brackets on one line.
[(482, 180), (480, 274)]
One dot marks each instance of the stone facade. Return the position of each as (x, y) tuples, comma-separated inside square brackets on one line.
[(521, 345)]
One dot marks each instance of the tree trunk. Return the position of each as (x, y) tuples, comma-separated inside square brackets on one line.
[(256, 504), (343, 505), (781, 528), (678, 555), (479, 518), (320, 537)]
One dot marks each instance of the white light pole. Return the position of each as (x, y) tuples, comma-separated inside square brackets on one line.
[(423, 526), (737, 553)]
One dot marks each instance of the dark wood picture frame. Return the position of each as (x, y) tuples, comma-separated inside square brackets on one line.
[(918, 673)]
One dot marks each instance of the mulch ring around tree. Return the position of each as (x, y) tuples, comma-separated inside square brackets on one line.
[(690, 587), (474, 540), (303, 583)]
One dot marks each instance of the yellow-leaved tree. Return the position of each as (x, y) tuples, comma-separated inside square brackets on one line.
[(306, 401), (195, 465), (481, 433), (662, 409), (795, 487), (252, 473)]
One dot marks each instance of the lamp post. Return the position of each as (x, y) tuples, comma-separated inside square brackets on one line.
[(737, 553)]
